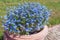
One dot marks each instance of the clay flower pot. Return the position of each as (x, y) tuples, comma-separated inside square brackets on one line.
[(38, 36)]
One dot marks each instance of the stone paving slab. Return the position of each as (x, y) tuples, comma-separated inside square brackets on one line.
[(54, 33)]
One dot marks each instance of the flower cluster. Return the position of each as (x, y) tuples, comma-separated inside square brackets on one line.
[(26, 18)]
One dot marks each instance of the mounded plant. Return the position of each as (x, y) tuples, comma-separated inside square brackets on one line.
[(26, 19)]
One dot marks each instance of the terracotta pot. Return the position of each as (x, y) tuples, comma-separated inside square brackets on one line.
[(38, 36)]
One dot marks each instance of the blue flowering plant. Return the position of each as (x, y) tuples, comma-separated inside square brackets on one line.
[(26, 18)]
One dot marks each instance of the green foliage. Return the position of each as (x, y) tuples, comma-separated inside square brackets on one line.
[(54, 21), (1, 35)]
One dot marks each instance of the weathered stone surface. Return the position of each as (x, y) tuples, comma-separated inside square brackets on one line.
[(54, 33)]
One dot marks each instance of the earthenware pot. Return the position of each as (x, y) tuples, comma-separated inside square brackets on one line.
[(38, 36)]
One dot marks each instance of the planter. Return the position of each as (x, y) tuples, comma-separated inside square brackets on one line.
[(38, 36)]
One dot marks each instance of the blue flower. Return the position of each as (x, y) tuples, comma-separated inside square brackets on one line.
[(27, 29), (34, 10), (10, 30), (37, 28), (18, 21), (15, 26), (26, 17), (6, 28), (27, 23)]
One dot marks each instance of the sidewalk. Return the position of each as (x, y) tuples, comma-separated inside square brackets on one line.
[(54, 33)]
